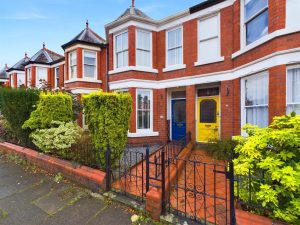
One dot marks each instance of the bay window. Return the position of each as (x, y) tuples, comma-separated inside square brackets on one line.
[(256, 19), (255, 100), (174, 47), (209, 39), (41, 77), (293, 91), (56, 74), (143, 112), (90, 60), (20, 79), (121, 50), (73, 64), (143, 49)]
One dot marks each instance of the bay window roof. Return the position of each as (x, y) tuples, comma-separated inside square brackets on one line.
[(20, 65)]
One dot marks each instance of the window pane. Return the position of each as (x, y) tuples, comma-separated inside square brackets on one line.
[(89, 71), (143, 58), (252, 7), (293, 108), (178, 56), (143, 40), (90, 58), (257, 116), (143, 110), (208, 111), (293, 86), (73, 71), (143, 120), (208, 28), (119, 43), (209, 49), (119, 60), (171, 39), (257, 28), (256, 90), (125, 58), (125, 41), (179, 112), (171, 57), (178, 40)]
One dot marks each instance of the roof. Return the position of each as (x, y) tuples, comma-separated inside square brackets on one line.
[(3, 73), (45, 56), (204, 5), (86, 36), (20, 66)]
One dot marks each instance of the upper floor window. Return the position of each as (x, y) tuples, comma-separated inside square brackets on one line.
[(209, 38), (143, 49), (256, 19), (56, 74), (174, 47), (121, 50), (90, 64), (73, 64), (293, 90), (29, 78), (256, 98)]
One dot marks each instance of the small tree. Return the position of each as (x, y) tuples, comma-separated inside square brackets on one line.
[(51, 107), (107, 116), (275, 151), (16, 106)]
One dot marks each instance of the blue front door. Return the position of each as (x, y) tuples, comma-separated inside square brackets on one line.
[(178, 119)]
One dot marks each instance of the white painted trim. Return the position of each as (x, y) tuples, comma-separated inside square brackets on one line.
[(87, 47), (83, 90), (83, 80), (175, 67), (96, 64), (58, 64), (204, 62), (125, 26), (285, 57), (133, 68), (142, 134), (166, 50), (37, 65), (151, 111), (4, 80), (265, 39), (151, 47), (16, 71)]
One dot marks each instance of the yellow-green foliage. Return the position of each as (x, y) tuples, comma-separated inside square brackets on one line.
[(57, 139), (51, 107), (275, 150), (107, 116)]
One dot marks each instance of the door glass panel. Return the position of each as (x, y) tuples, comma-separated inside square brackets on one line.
[(178, 94), (208, 92), (179, 112), (208, 111)]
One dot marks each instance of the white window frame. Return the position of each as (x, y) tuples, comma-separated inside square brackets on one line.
[(146, 50), (56, 85), (37, 82), (243, 96), (151, 111), (69, 66), (217, 59), (167, 49), (115, 48), (243, 28), (29, 77), (286, 94), (96, 66), (19, 84)]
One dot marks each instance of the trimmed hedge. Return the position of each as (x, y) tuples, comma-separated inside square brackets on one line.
[(51, 107), (16, 106), (107, 116)]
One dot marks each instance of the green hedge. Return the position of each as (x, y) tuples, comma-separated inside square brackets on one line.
[(51, 107), (16, 106), (107, 116)]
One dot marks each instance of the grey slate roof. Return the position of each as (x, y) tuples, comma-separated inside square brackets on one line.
[(19, 65), (86, 36), (3, 73), (45, 56), (132, 11)]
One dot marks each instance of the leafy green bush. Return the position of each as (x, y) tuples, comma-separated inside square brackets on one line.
[(51, 107), (57, 139), (107, 116), (222, 149), (16, 106), (275, 152)]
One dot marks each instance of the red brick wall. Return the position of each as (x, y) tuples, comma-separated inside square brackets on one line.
[(67, 66), (61, 75), (132, 44), (190, 110), (111, 51), (277, 91), (236, 26), (277, 15), (33, 76), (132, 128), (79, 63)]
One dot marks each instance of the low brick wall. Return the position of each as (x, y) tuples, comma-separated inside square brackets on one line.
[(91, 178)]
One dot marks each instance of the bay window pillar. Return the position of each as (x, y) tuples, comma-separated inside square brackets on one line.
[(132, 45), (79, 63), (132, 128), (190, 110), (33, 76)]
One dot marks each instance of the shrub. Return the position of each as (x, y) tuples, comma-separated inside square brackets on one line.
[(222, 149), (16, 106), (274, 152), (107, 116), (57, 139), (51, 107)]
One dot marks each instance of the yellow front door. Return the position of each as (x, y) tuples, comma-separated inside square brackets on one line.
[(208, 118)]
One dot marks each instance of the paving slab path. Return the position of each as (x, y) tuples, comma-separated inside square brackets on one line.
[(32, 197)]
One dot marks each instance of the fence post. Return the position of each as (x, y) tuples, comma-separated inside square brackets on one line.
[(108, 168), (231, 188), (163, 181), (147, 168)]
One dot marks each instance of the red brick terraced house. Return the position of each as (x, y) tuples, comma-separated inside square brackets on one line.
[(45, 69), (209, 69)]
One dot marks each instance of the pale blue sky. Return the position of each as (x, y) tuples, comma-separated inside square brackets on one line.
[(26, 24)]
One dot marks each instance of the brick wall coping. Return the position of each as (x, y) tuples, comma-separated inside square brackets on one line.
[(91, 178)]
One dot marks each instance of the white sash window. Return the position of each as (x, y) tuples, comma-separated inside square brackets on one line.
[(293, 91)]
